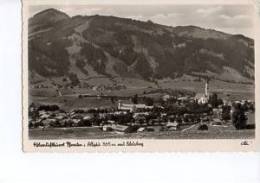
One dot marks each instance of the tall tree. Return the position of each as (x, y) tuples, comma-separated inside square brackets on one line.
[(135, 99)]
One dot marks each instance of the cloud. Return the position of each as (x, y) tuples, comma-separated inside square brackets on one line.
[(168, 15), (225, 17), (239, 20), (236, 17), (136, 17), (209, 11), (77, 10), (167, 19)]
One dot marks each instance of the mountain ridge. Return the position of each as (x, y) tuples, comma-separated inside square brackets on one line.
[(109, 46)]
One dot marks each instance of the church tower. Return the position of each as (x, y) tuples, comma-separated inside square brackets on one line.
[(207, 88)]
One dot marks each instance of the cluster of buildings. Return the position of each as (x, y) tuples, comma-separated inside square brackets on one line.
[(134, 117)]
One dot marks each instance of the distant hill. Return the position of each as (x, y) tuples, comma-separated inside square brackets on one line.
[(107, 46)]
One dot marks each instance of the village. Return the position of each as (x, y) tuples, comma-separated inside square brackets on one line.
[(172, 113)]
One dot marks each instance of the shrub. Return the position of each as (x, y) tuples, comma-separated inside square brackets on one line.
[(48, 107), (238, 117)]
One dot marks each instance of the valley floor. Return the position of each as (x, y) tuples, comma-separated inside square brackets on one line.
[(190, 132), (70, 100)]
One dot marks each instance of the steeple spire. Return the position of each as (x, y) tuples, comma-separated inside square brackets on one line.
[(207, 87)]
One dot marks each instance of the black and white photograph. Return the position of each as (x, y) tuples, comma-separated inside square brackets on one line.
[(156, 91), (164, 72)]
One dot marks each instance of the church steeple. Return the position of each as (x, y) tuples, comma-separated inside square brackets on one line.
[(207, 88)]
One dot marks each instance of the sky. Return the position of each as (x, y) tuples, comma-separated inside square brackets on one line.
[(234, 19)]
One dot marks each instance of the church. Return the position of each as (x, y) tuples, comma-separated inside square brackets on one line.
[(203, 98)]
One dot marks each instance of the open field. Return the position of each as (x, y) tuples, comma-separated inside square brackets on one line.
[(69, 103), (137, 88), (96, 133), (237, 91), (227, 131), (70, 100)]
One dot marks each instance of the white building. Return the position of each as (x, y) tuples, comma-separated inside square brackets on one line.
[(132, 107), (166, 97), (203, 98)]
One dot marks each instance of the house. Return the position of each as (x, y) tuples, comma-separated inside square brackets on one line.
[(217, 113), (107, 128), (172, 125), (183, 99), (124, 128), (88, 117), (166, 97), (140, 114)]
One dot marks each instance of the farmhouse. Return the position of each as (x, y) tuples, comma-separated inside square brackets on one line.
[(166, 97), (123, 128)]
